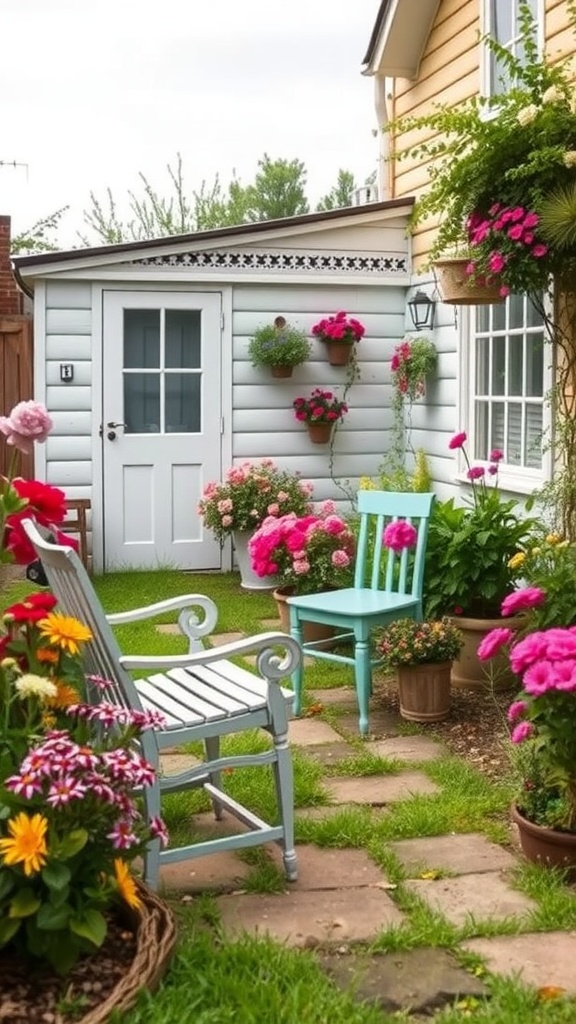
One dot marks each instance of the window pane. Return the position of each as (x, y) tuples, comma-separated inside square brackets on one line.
[(141, 338), (515, 364), (516, 311), (533, 318), (501, 20), (498, 366), (534, 436), (534, 365), (499, 316), (482, 319), (183, 403), (183, 338), (482, 366), (514, 435), (142, 403), (497, 435), (481, 442)]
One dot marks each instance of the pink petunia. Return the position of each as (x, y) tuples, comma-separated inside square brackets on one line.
[(527, 651), (493, 643), (516, 710), (538, 678), (522, 600), (522, 732), (400, 535)]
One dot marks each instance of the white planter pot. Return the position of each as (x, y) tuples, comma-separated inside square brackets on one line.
[(249, 580)]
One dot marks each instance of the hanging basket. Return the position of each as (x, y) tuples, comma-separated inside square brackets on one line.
[(155, 940), (456, 287)]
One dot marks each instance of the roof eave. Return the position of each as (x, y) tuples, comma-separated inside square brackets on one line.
[(399, 38)]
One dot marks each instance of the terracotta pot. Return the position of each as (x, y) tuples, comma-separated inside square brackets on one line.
[(547, 846), (339, 352), (424, 691), (312, 631), (281, 371), (468, 672), (457, 289), (320, 433), (249, 580)]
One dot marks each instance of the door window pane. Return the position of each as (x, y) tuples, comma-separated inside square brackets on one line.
[(142, 403), (183, 350), (183, 403), (141, 338)]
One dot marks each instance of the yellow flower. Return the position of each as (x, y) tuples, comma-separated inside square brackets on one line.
[(28, 843), (553, 538), (64, 631), (527, 114), (65, 696), (126, 884), (517, 560), (30, 685), (366, 483)]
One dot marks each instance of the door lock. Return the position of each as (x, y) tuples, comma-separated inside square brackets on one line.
[(111, 435)]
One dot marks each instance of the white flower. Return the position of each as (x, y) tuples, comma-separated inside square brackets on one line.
[(552, 95), (527, 114), (30, 685), (569, 158)]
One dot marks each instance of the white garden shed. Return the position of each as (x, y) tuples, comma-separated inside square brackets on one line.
[(141, 358)]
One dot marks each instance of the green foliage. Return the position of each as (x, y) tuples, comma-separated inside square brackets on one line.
[(413, 361), (38, 238), (278, 345), (406, 642), (550, 564), (341, 195)]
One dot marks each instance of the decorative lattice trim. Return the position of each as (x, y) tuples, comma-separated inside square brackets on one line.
[(281, 261)]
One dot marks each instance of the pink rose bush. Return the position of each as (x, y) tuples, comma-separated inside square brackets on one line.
[(543, 715), (307, 553), (249, 493)]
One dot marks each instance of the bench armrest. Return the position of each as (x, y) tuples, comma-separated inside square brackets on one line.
[(191, 624), (270, 664)]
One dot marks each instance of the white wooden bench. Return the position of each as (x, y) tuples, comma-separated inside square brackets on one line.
[(202, 695)]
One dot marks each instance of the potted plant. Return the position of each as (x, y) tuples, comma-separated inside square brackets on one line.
[(339, 333), (422, 654), (249, 493), (305, 554), (543, 729), (469, 561), (70, 825), (278, 346), (320, 412), (493, 163), (413, 361)]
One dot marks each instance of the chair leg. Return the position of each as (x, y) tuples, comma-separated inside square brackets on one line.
[(151, 858), (212, 747), (297, 676), (363, 677), (284, 782)]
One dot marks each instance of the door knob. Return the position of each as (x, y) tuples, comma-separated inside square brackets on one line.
[(111, 435), (112, 425)]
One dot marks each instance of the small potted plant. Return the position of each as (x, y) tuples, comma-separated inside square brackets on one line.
[(279, 346), (422, 654), (305, 554), (413, 360), (320, 411), (339, 332), (239, 504)]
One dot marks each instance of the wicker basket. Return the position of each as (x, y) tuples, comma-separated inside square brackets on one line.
[(155, 939), (457, 289)]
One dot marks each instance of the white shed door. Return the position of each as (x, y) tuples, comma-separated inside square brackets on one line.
[(161, 427)]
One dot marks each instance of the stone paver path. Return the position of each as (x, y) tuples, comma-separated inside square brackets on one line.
[(537, 959), (378, 789), (459, 899)]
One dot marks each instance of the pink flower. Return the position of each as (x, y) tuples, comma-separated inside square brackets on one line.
[(301, 567), (522, 732), (27, 422), (516, 232), (539, 250), (493, 642), (225, 505), (527, 651), (531, 220), (227, 520), (503, 291), (159, 831), (496, 455), (522, 600), (340, 559), (400, 535), (516, 710), (496, 262), (122, 835), (457, 441), (475, 472), (538, 678), (333, 524), (273, 509)]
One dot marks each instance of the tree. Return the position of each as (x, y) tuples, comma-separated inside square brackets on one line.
[(37, 238), (342, 194)]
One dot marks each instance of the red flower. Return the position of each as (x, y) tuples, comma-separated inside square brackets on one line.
[(45, 503)]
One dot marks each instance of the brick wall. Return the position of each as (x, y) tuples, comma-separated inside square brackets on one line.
[(11, 298)]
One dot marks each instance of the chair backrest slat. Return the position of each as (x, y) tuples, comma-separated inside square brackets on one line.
[(379, 568)]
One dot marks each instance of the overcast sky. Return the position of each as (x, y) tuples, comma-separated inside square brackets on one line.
[(94, 91)]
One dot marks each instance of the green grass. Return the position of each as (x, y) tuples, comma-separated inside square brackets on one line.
[(214, 978)]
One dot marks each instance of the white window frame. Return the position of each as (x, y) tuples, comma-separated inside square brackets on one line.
[(486, 28), (515, 479)]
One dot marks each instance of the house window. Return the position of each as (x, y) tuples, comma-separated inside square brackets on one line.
[(508, 376), (501, 20)]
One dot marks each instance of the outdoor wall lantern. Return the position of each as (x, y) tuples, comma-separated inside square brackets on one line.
[(422, 308)]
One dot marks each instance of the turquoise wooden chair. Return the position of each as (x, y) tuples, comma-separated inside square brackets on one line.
[(202, 696), (387, 586)]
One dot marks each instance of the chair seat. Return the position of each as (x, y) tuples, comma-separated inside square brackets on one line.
[(206, 693), (354, 601)]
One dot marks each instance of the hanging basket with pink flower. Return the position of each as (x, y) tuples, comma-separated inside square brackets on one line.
[(320, 411)]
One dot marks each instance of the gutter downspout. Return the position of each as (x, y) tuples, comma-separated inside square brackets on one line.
[(384, 142), (22, 284)]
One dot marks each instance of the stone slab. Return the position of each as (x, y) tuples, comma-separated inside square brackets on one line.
[(378, 789), (380, 723), (173, 764), (308, 919), (413, 981), (324, 813), (539, 959), (327, 868), (308, 732), (330, 753), (462, 854), (407, 748), (219, 639), (217, 872), (481, 896), (170, 628), (334, 695)]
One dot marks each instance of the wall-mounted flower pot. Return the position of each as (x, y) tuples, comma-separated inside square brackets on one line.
[(281, 371), (457, 289), (339, 352), (320, 433)]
